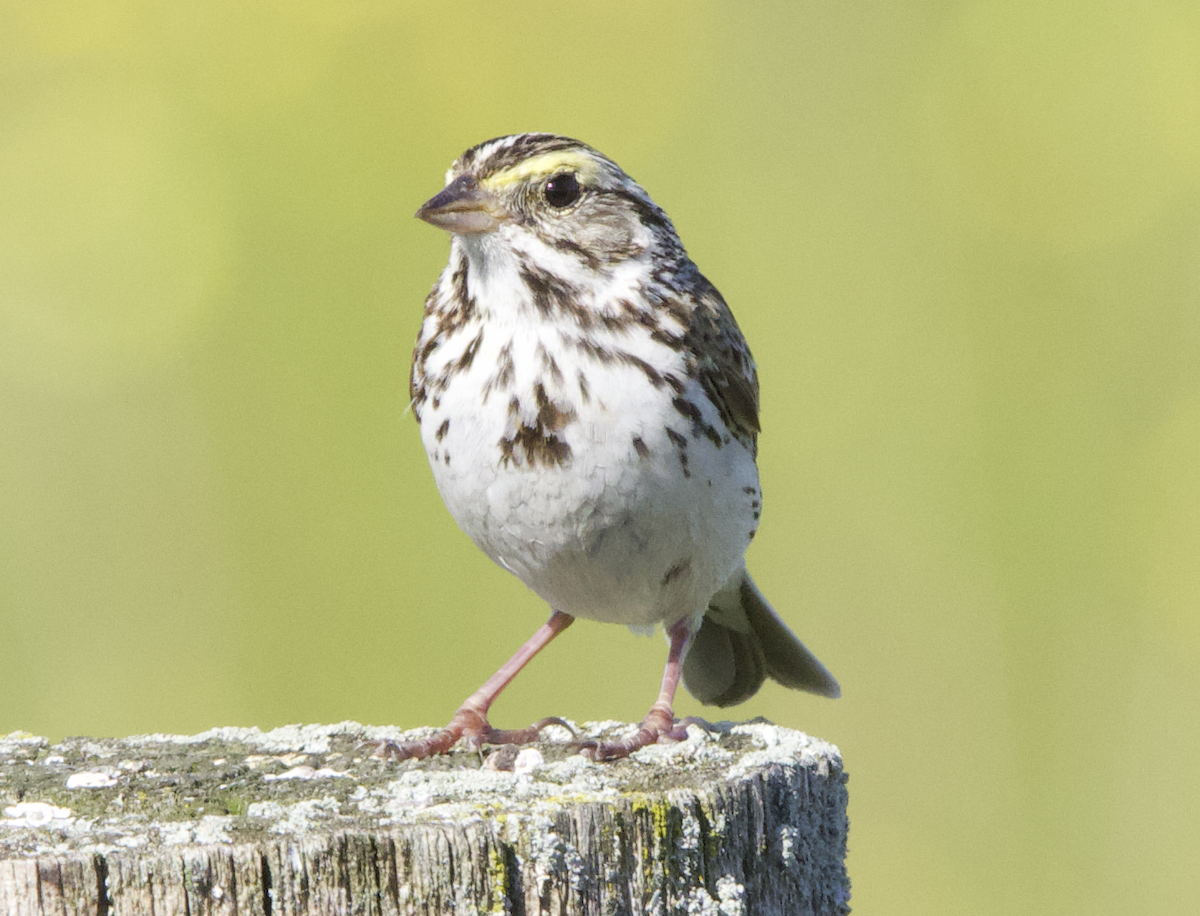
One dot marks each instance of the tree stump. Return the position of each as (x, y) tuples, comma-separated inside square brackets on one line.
[(743, 819)]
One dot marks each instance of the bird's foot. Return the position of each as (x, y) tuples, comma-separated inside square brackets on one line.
[(470, 725), (659, 727)]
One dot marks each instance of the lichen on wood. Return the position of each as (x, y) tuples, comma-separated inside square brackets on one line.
[(743, 819)]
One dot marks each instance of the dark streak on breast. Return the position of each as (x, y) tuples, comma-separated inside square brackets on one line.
[(539, 443), (554, 297), (549, 363), (680, 441), (463, 363), (503, 375), (699, 426)]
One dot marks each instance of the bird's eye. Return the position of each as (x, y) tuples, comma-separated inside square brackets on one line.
[(561, 190)]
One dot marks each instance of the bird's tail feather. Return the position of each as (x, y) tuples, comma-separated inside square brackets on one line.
[(741, 642)]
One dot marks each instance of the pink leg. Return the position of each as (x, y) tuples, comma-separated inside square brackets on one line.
[(659, 724), (471, 721)]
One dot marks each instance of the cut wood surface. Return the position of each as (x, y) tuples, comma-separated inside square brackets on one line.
[(745, 819)]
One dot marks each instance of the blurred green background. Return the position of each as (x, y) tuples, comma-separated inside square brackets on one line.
[(962, 238)]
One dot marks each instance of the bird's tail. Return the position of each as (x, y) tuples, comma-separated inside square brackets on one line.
[(741, 642)]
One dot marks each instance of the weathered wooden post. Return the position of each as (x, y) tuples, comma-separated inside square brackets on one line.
[(746, 819)]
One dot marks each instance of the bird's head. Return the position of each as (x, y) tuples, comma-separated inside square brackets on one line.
[(536, 191)]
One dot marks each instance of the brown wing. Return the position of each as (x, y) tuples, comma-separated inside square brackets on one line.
[(723, 364)]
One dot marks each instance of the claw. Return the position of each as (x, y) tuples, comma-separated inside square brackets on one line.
[(659, 727), (469, 726)]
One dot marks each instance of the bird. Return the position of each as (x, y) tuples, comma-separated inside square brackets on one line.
[(590, 411)]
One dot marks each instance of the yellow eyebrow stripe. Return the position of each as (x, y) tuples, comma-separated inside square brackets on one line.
[(546, 165)]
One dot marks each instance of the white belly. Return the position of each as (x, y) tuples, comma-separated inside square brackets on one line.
[(617, 531)]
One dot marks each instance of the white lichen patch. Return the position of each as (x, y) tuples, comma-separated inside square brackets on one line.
[(36, 815), (92, 779), (529, 760), (690, 834), (302, 739), (730, 899), (550, 855), (18, 741), (306, 772), (783, 746), (787, 843), (701, 747), (300, 817), (207, 831)]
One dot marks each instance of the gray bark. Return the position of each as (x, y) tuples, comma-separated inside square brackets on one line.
[(746, 819)]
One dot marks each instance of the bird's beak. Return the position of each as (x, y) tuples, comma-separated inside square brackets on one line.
[(464, 208)]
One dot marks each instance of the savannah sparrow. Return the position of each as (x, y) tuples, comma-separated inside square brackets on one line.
[(590, 412)]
